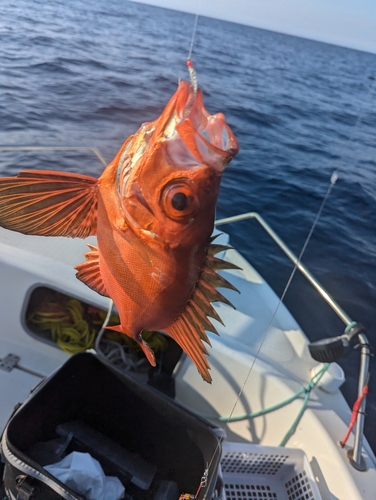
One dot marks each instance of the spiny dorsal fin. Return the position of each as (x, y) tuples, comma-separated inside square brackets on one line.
[(205, 305), (49, 203), (212, 294), (214, 237), (188, 330), (89, 273), (216, 280), (191, 315), (217, 248), (219, 264), (201, 317)]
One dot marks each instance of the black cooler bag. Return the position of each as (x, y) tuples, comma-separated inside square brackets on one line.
[(122, 423)]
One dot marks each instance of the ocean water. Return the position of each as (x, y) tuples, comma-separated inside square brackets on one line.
[(89, 72)]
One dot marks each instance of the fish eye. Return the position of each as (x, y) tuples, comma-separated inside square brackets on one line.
[(178, 201)]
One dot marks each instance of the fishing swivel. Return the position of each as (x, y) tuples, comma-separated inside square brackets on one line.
[(192, 75)]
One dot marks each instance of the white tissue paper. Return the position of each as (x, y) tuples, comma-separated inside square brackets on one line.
[(83, 474)]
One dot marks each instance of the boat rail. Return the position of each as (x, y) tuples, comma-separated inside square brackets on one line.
[(282, 245), (354, 455)]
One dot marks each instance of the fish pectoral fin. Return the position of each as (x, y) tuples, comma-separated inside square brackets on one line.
[(48, 203), (89, 272)]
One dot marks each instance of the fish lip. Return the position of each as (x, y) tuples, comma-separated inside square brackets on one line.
[(212, 130)]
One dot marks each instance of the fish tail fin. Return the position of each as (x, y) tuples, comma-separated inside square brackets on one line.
[(48, 203)]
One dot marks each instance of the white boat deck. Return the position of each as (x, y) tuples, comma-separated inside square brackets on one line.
[(282, 367)]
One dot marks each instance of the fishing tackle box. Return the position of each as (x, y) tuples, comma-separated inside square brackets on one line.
[(113, 412)]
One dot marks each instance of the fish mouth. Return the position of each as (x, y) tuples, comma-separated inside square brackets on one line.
[(205, 135), (192, 137)]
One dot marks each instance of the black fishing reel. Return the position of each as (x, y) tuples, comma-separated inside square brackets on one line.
[(331, 349)]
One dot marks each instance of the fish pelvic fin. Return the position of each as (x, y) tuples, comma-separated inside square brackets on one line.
[(189, 329), (115, 328), (48, 203), (89, 272), (148, 351)]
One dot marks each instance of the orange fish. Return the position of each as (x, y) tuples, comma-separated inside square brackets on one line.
[(152, 211)]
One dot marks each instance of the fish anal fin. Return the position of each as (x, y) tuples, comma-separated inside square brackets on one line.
[(89, 272), (48, 203)]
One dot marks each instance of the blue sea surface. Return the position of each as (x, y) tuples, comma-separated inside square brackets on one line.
[(89, 72)]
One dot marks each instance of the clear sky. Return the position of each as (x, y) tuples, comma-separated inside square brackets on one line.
[(350, 23)]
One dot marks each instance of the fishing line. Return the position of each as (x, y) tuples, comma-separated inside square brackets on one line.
[(333, 180), (192, 74), (191, 70), (193, 38)]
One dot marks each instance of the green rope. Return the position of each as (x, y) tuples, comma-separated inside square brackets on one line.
[(304, 390), (312, 384), (295, 424), (261, 412)]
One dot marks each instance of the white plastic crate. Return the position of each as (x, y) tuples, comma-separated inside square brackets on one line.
[(253, 472)]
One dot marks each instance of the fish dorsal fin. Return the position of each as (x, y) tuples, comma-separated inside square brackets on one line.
[(189, 329), (89, 273), (47, 203)]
